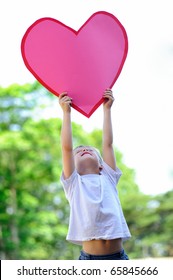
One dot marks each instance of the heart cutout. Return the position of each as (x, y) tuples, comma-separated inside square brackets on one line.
[(84, 63)]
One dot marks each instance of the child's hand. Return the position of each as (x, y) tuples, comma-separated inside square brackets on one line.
[(109, 99), (65, 102)]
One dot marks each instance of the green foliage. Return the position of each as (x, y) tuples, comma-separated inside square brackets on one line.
[(34, 212)]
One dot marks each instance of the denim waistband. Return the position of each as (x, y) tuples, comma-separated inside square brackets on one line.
[(117, 255)]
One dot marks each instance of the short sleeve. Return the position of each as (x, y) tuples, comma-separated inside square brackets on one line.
[(114, 175), (69, 183)]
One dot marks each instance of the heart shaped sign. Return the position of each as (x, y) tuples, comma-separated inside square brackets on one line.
[(84, 63)]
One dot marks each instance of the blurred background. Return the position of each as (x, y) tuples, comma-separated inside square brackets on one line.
[(33, 209)]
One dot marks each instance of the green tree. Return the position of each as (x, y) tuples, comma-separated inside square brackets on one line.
[(161, 229), (20, 103)]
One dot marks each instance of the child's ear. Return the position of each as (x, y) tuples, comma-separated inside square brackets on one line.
[(100, 167)]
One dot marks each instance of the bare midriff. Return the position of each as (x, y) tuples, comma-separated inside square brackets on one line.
[(102, 247)]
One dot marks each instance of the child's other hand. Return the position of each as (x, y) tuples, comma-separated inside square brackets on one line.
[(108, 98), (65, 102)]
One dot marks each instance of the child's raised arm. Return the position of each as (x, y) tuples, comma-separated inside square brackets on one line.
[(108, 152), (66, 135)]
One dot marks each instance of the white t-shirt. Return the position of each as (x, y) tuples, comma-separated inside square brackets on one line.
[(95, 209)]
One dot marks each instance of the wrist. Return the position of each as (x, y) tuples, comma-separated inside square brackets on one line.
[(106, 109), (66, 112), (67, 117)]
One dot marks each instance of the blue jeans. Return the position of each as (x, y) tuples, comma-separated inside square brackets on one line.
[(116, 256)]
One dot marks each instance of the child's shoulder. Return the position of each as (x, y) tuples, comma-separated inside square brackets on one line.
[(114, 175)]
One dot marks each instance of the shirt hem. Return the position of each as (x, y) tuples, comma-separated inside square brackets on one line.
[(79, 242)]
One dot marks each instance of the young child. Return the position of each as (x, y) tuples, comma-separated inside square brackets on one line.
[(96, 217)]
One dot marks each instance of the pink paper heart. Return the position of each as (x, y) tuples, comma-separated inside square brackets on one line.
[(84, 63)]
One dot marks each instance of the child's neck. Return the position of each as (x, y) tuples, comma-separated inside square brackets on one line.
[(89, 171)]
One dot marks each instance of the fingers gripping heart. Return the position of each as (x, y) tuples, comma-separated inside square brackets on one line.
[(65, 101)]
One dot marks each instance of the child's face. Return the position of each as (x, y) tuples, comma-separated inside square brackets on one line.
[(84, 156), (84, 152)]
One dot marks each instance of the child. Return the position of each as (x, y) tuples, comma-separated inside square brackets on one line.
[(96, 218)]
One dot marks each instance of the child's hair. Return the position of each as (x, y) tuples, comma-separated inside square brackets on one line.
[(96, 150)]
